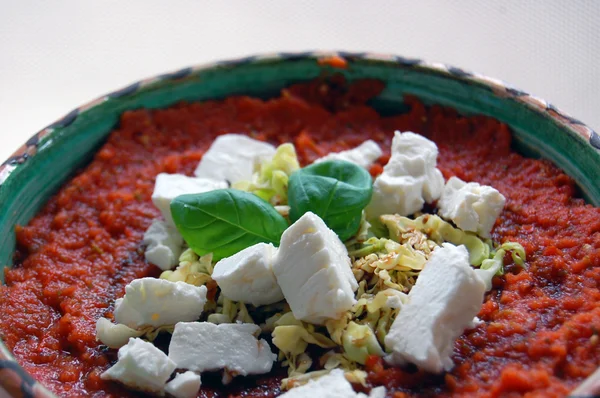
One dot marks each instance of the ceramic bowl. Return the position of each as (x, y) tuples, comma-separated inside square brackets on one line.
[(47, 159)]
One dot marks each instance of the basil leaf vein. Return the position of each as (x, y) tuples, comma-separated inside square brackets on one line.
[(226, 221), (337, 191)]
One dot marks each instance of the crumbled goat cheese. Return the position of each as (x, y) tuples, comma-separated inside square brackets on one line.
[(141, 366), (114, 335), (163, 245), (247, 276), (313, 269), (169, 186), (363, 155), (472, 207), (204, 346), (159, 302), (184, 385), (332, 385), (409, 179), (442, 304), (233, 158)]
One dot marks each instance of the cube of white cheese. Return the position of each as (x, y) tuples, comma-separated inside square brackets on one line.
[(158, 302), (395, 299), (363, 155), (248, 276), (233, 158), (114, 335), (204, 346), (314, 272), (169, 186), (417, 154), (471, 206), (409, 179), (332, 385), (395, 195), (377, 392), (141, 366), (184, 385), (164, 244), (442, 304)]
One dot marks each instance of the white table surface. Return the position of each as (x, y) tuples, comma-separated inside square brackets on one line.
[(56, 55)]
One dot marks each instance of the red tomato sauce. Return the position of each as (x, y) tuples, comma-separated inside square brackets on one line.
[(541, 325)]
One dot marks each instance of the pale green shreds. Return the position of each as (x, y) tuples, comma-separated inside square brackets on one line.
[(495, 264), (439, 231), (192, 269), (386, 261), (359, 342), (292, 337), (270, 181)]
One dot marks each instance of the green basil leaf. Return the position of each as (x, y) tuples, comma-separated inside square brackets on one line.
[(337, 191), (225, 221)]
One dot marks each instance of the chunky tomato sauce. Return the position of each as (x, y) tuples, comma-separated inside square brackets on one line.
[(541, 325)]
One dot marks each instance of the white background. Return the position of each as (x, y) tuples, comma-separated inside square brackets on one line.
[(56, 55)]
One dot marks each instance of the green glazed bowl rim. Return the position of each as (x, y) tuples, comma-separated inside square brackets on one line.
[(14, 378), (500, 88)]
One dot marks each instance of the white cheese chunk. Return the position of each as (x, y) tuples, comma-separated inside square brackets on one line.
[(184, 385), (377, 392), (141, 366), (487, 275), (204, 346), (247, 276), (409, 179), (114, 335), (169, 186), (474, 323), (395, 195), (395, 298), (313, 269), (164, 244), (233, 158), (471, 206), (442, 304), (332, 385), (363, 155), (158, 302)]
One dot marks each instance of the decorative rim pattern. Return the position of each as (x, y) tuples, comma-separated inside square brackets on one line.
[(499, 87), (18, 383)]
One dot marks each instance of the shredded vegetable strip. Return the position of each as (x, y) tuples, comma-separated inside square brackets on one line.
[(386, 261)]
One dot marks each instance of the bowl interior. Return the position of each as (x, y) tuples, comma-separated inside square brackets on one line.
[(54, 154), (68, 144)]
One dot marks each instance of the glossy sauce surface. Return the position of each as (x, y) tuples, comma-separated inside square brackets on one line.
[(541, 325)]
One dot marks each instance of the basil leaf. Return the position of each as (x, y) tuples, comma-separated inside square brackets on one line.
[(337, 191), (226, 221)]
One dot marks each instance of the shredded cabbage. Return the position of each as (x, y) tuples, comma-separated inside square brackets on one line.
[(383, 263), (439, 231), (355, 376), (359, 342), (363, 233), (301, 379), (270, 181), (292, 336), (332, 360), (192, 269), (228, 311), (495, 265), (303, 363), (387, 256), (269, 325), (151, 333), (114, 335)]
